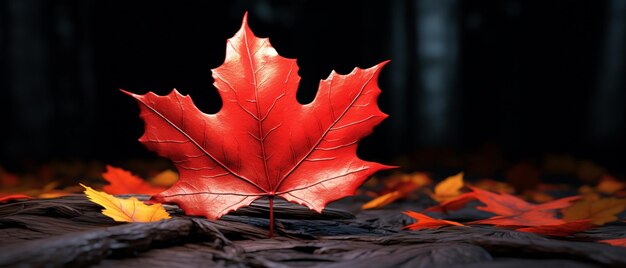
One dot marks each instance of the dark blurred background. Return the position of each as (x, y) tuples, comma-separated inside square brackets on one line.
[(514, 78)]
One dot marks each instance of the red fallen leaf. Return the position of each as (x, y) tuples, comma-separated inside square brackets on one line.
[(10, 197), (263, 142), (513, 211), (453, 204), (618, 242), (508, 205), (425, 222), (528, 218), (124, 182), (565, 229)]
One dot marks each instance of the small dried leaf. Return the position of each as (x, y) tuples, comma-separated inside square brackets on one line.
[(382, 200), (565, 229), (425, 222), (618, 242), (509, 205), (528, 218), (494, 186), (405, 183), (453, 204), (165, 179), (513, 211), (401, 187), (126, 210), (10, 197), (598, 211), (124, 182), (609, 185), (448, 188)]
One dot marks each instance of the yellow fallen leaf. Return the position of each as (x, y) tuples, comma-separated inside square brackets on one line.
[(166, 178), (126, 210), (448, 188), (598, 211)]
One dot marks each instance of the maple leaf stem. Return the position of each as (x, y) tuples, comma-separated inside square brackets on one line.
[(271, 216)]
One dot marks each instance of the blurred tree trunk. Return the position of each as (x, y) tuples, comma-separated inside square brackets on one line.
[(425, 52), (28, 78), (437, 51), (50, 79), (607, 103)]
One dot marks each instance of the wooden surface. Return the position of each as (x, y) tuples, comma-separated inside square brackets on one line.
[(70, 231)]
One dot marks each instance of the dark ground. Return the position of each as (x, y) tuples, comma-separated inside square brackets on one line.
[(70, 231)]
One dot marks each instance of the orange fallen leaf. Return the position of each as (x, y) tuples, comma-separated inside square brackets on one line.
[(588, 193), (598, 211), (165, 179), (402, 186), (405, 182), (609, 185), (564, 229), (53, 194), (494, 186), (425, 222), (453, 204), (382, 200), (618, 242), (126, 210), (448, 188), (124, 182)]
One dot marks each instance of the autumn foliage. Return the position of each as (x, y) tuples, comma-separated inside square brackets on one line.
[(263, 143), (558, 217)]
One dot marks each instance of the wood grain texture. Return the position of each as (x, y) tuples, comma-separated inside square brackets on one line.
[(70, 231)]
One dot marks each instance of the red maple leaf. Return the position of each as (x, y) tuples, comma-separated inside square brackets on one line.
[(425, 222), (618, 242), (507, 205), (455, 203), (513, 211), (124, 182), (263, 142), (526, 218), (6, 198), (564, 229)]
